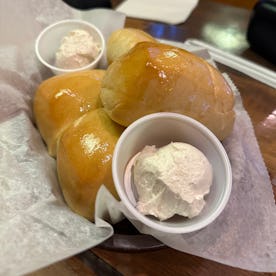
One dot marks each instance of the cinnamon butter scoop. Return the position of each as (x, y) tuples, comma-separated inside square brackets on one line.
[(78, 48), (172, 180)]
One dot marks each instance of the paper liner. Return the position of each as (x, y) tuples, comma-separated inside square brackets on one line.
[(36, 226)]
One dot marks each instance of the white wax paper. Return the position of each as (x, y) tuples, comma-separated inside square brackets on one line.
[(37, 228)]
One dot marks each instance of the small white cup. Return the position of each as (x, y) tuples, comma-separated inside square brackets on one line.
[(48, 42), (161, 129)]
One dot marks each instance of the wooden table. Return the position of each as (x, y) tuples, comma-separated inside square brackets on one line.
[(225, 27)]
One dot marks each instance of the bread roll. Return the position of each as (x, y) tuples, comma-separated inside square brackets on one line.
[(84, 158), (122, 40), (62, 99), (155, 77)]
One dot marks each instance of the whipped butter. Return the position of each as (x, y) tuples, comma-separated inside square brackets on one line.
[(77, 49), (172, 180)]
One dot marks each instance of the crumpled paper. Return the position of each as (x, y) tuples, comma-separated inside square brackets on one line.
[(36, 226), (244, 235)]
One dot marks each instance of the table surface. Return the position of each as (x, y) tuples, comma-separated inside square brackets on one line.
[(224, 27)]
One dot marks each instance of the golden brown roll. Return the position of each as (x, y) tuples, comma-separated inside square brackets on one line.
[(62, 99), (84, 158), (122, 40), (155, 77)]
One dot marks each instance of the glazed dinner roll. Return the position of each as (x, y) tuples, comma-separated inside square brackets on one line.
[(122, 40), (84, 158), (154, 77), (62, 99)]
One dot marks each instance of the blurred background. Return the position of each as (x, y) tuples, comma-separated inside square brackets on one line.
[(85, 4), (247, 4)]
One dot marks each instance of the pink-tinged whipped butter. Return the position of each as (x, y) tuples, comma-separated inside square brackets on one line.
[(172, 180), (77, 49)]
